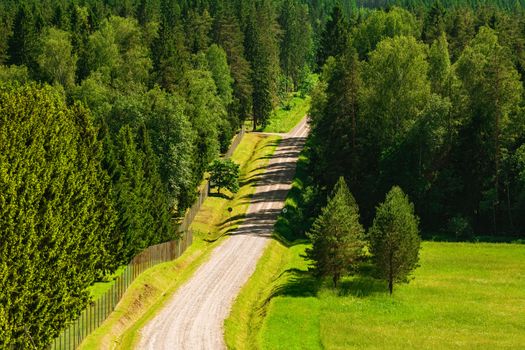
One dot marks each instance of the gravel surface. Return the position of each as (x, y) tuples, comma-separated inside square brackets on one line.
[(193, 319)]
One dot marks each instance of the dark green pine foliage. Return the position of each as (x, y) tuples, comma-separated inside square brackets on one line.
[(80, 30), (157, 207), (229, 36), (23, 42), (296, 43), (394, 238), (263, 53), (335, 131), (337, 236), (334, 38), (140, 196), (434, 24), (169, 52), (197, 30), (57, 216)]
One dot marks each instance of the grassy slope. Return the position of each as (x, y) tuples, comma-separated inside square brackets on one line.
[(464, 295), (152, 289), (283, 120)]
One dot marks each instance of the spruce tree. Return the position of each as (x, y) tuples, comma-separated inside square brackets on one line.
[(263, 52), (394, 238), (23, 42), (228, 34), (337, 236), (56, 212), (334, 38)]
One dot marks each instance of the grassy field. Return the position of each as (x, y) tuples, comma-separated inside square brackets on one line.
[(285, 118), (464, 295), (152, 289)]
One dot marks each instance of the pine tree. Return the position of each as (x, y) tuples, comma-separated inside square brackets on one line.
[(228, 34), (56, 210), (434, 25), (263, 53), (394, 238), (334, 38), (23, 43), (297, 41), (336, 235)]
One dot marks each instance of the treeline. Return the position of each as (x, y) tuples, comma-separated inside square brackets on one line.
[(110, 114), (419, 5), (432, 103)]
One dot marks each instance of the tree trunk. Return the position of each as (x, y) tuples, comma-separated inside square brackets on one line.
[(335, 278), (391, 274)]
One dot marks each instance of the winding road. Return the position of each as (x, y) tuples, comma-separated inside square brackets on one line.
[(193, 319)]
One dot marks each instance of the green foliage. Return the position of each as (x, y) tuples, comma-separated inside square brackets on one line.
[(56, 60), (224, 174), (229, 35), (336, 235), (381, 25), (14, 73), (394, 238), (296, 43), (58, 217), (396, 88), (118, 52), (457, 285), (334, 38), (263, 53)]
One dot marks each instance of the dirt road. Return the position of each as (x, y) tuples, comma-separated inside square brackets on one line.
[(194, 317)]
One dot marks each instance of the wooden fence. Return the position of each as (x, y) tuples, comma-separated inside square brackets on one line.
[(97, 311)]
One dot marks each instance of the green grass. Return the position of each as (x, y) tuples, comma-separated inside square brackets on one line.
[(464, 295), (149, 292), (214, 220), (286, 117), (100, 288)]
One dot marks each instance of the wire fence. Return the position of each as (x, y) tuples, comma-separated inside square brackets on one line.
[(98, 310)]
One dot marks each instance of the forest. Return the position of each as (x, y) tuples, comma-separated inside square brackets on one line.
[(111, 112)]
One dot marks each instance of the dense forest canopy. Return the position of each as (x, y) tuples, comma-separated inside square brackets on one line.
[(111, 112)]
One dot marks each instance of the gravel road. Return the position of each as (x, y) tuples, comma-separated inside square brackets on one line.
[(193, 319)]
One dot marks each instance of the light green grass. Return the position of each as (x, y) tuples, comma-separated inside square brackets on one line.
[(100, 288), (464, 295), (252, 154), (286, 117), (152, 289)]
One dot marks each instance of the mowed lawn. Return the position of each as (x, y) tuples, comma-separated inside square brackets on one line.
[(464, 295)]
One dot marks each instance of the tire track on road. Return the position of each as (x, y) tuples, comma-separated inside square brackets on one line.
[(193, 319)]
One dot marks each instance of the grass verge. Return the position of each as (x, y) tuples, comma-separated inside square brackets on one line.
[(286, 117), (151, 290)]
